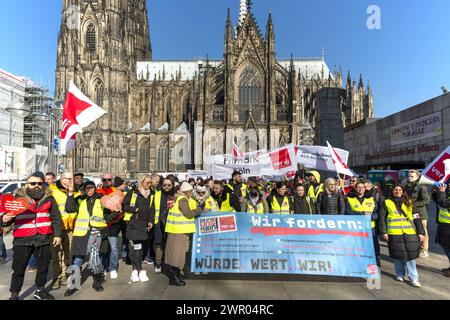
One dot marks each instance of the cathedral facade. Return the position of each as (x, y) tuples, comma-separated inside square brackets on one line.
[(172, 115)]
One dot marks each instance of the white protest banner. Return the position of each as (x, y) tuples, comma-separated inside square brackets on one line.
[(439, 169), (195, 174), (278, 162), (318, 157), (222, 166)]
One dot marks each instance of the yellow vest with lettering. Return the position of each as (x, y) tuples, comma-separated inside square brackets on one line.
[(444, 215), (209, 203), (176, 222), (83, 221), (367, 206), (397, 223), (259, 208), (226, 206), (283, 209), (61, 198)]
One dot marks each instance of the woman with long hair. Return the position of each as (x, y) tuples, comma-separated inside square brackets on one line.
[(403, 231)]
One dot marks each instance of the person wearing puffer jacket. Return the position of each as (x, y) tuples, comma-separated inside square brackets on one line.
[(403, 230), (330, 201)]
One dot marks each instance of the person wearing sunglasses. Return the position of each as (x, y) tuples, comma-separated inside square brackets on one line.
[(204, 200), (34, 231)]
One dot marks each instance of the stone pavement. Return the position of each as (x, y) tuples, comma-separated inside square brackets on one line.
[(254, 287)]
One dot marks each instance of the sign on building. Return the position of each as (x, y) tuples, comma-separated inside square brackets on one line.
[(428, 126)]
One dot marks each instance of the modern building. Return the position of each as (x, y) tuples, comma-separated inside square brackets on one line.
[(172, 115), (409, 139)]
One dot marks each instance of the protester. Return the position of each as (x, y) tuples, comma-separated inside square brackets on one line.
[(3, 253), (353, 182), (61, 254), (34, 231), (78, 179), (255, 202), (361, 202), (162, 202), (191, 181), (138, 202), (279, 202), (122, 186), (420, 200), (90, 236), (236, 185), (205, 201), (50, 178), (302, 202), (180, 224), (330, 201), (374, 191), (313, 185), (443, 220), (225, 201), (404, 231)]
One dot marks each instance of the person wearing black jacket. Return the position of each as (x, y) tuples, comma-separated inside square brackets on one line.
[(403, 230), (90, 236), (226, 201), (302, 202), (35, 230), (137, 202), (443, 221), (330, 201)]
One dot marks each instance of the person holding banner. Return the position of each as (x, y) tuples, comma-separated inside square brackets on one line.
[(180, 225), (403, 230), (224, 199), (330, 201), (360, 202), (90, 235), (302, 202), (36, 229), (137, 205), (236, 185), (279, 202), (254, 202), (443, 220)]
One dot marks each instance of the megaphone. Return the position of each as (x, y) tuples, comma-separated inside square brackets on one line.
[(424, 181)]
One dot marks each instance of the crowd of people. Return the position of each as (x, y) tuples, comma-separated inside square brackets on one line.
[(66, 224)]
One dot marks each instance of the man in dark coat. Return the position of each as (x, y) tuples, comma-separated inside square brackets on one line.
[(443, 229)]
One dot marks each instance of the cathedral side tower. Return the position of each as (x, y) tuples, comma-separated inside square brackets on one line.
[(99, 44)]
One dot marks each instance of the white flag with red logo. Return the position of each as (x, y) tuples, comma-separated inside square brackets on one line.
[(79, 112), (236, 152), (341, 166), (439, 169)]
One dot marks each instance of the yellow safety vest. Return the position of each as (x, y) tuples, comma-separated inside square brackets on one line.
[(283, 209), (397, 223), (127, 215), (157, 199), (209, 203), (243, 189), (314, 193), (176, 222), (259, 208), (61, 198), (226, 206), (83, 221), (368, 206), (444, 215)]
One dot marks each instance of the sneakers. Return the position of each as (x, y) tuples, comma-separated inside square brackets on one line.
[(134, 276), (424, 254), (400, 279), (70, 292), (416, 284), (150, 262), (157, 268), (143, 276), (43, 295), (113, 275)]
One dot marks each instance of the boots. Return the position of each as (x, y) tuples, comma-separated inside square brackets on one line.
[(180, 276), (174, 279), (97, 285)]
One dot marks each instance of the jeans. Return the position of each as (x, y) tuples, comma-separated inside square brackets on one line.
[(33, 262), (447, 252), (78, 261), (410, 268), (148, 247), (2, 247), (114, 255)]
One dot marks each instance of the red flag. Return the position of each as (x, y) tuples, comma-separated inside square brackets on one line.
[(439, 169), (236, 153), (79, 112)]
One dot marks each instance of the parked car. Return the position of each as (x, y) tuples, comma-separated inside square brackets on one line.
[(10, 186)]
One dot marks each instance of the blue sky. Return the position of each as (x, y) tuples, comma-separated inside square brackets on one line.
[(406, 62)]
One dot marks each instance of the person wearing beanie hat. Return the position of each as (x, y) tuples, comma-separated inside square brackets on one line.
[(180, 225), (78, 181), (120, 184)]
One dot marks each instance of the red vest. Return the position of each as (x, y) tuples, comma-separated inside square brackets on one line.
[(2, 211), (33, 221)]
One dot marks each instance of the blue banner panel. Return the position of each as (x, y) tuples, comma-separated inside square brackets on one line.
[(285, 244)]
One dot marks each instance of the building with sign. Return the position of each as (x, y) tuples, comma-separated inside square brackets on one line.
[(405, 140)]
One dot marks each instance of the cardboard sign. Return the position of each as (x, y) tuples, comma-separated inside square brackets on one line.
[(14, 206), (112, 200)]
